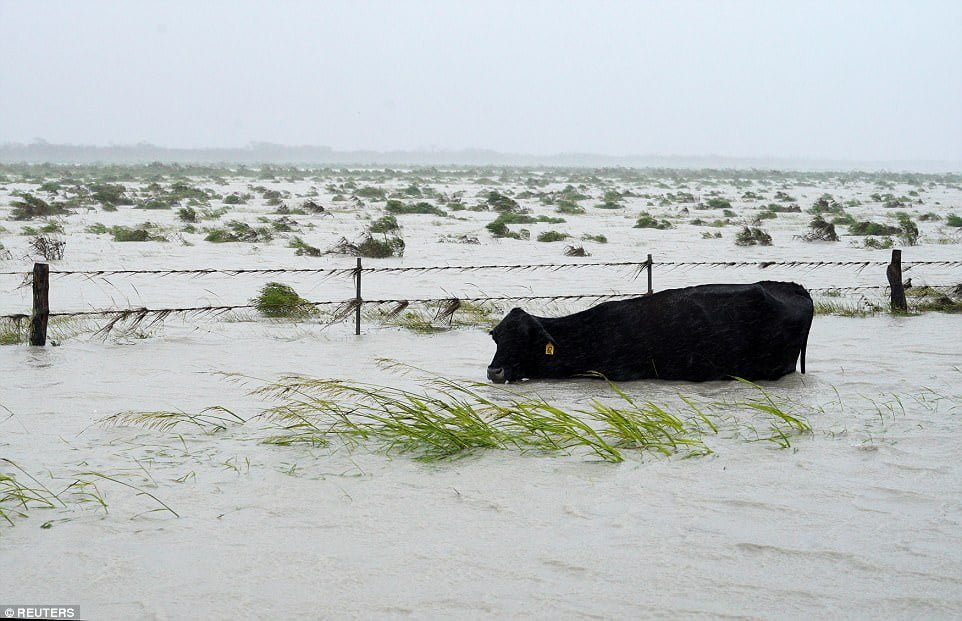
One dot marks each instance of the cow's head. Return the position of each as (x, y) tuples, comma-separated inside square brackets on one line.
[(523, 346)]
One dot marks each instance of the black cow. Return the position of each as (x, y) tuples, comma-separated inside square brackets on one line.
[(708, 332)]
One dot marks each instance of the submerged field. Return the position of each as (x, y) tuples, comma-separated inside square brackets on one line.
[(211, 464)]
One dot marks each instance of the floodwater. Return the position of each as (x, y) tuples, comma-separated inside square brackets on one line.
[(862, 518)]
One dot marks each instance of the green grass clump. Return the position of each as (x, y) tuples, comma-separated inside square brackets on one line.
[(715, 223), (845, 309), (109, 194), (386, 224), (187, 214), (302, 248), (874, 243), (552, 236), (866, 227), (647, 221), (924, 298), (499, 226), (716, 202), (237, 231), (600, 239), (820, 230), (826, 204), (11, 332), (569, 207), (953, 220), (374, 248), (236, 199), (30, 207), (776, 208), (908, 230), (370, 192), (499, 202), (397, 207), (135, 234), (279, 300), (751, 236)]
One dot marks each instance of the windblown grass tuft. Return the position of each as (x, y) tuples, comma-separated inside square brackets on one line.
[(446, 418)]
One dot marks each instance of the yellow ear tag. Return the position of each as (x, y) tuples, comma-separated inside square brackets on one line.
[(549, 349)]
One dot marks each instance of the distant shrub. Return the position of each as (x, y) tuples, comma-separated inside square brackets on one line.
[(718, 202), (386, 224), (187, 214), (710, 235), (600, 239), (569, 207), (751, 236), (826, 204), (284, 224), (499, 227), (871, 228), (374, 248), (239, 232), (908, 230), (878, 244), (236, 199), (647, 221), (97, 228), (953, 220), (302, 248), (499, 202), (397, 207), (109, 195), (776, 208), (576, 251), (371, 193), (552, 236), (313, 207), (279, 300), (845, 218), (49, 247), (728, 213), (154, 203), (127, 234), (820, 230), (716, 222), (30, 207), (609, 205)]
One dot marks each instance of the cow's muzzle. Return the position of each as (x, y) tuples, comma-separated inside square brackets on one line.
[(496, 374)]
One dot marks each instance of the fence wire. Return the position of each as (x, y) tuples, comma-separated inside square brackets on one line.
[(344, 307), (639, 265)]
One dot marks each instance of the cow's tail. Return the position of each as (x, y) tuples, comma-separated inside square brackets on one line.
[(805, 345)]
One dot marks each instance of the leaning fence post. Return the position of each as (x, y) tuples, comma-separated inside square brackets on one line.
[(894, 274), (357, 299), (41, 304), (649, 275)]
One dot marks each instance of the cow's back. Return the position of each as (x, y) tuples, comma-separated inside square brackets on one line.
[(706, 332)]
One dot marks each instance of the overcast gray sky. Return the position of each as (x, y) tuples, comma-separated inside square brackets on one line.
[(844, 80)]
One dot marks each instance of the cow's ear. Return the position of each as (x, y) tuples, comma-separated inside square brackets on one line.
[(544, 339)]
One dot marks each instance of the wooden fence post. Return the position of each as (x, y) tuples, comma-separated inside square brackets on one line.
[(357, 298), (894, 274), (649, 275), (41, 304)]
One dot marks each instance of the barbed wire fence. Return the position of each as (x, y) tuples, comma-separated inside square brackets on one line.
[(445, 306)]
